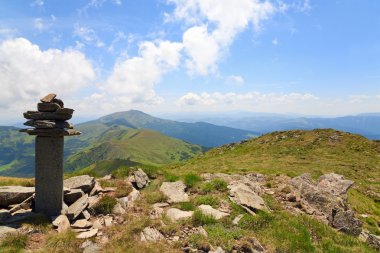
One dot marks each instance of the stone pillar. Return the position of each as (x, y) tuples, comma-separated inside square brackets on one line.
[(49, 175), (49, 124)]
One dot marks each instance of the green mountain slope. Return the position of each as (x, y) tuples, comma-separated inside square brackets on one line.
[(203, 134), (299, 151), (133, 146)]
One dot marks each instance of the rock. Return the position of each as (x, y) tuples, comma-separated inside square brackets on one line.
[(334, 184), (208, 210), (87, 234), (346, 222), (4, 215), (156, 212), (77, 207), (25, 205), (249, 245), (175, 214), (242, 195), (237, 219), (140, 178), (48, 124), (83, 223), (10, 195), (59, 102), (200, 230), (48, 107), (123, 202), (48, 98), (93, 200), (161, 204), (21, 215), (118, 209), (107, 177), (61, 222), (96, 189), (4, 230), (175, 191), (85, 215), (97, 224), (85, 183), (374, 241), (108, 221), (218, 250), (35, 115), (73, 195), (90, 247), (133, 196), (151, 235)]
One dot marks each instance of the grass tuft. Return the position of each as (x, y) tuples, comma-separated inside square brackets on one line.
[(200, 219), (191, 180), (105, 205)]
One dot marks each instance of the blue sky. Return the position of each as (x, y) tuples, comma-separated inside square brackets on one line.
[(101, 56)]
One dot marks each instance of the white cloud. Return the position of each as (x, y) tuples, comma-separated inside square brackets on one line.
[(357, 99), (88, 36), (119, 36), (235, 80), (7, 33), (28, 73), (242, 99), (38, 3), (133, 80), (215, 24)]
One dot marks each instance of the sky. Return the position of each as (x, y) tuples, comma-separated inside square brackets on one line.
[(311, 57)]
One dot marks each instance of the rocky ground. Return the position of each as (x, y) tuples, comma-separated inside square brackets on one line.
[(142, 214)]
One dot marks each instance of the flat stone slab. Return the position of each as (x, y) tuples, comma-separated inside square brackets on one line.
[(61, 222), (175, 214), (88, 234), (10, 195), (151, 235), (85, 183), (243, 195), (48, 98), (55, 132), (4, 215), (48, 107), (83, 223), (209, 210), (60, 114), (77, 208), (72, 196), (175, 191), (48, 124)]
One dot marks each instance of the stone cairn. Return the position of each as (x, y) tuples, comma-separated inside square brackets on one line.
[(50, 125)]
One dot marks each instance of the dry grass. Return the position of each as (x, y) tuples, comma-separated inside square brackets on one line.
[(5, 181)]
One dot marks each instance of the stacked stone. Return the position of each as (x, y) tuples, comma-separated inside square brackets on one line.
[(51, 118)]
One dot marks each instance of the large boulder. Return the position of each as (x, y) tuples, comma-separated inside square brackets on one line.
[(10, 195), (85, 183), (175, 191), (334, 184), (243, 195), (346, 222), (140, 178)]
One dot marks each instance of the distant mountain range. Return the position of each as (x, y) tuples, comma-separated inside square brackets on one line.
[(367, 124), (122, 139)]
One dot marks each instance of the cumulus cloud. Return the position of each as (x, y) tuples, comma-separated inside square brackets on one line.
[(239, 99), (27, 73), (214, 25), (133, 79), (235, 80)]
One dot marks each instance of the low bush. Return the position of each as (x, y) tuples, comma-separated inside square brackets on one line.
[(105, 205), (191, 180), (14, 242), (200, 219), (208, 200), (217, 184), (170, 177)]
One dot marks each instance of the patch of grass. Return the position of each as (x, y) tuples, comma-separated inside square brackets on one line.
[(155, 197), (185, 206), (62, 243), (123, 188), (105, 205), (208, 200), (215, 185), (199, 242), (225, 237), (38, 222), (255, 222), (200, 219), (5, 181), (170, 177), (13, 243), (191, 180)]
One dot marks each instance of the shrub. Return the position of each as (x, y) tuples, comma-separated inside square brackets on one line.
[(105, 205), (215, 185), (191, 180), (200, 219), (123, 188), (170, 177), (208, 200)]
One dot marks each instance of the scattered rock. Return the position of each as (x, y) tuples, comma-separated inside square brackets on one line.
[(374, 241), (208, 210), (175, 191), (218, 250), (85, 183), (73, 195), (4, 230), (346, 222), (89, 247), (175, 214), (97, 224), (242, 195), (237, 219), (77, 207), (133, 196), (151, 235), (334, 184), (249, 245), (10, 195), (87, 234), (61, 222), (108, 221), (118, 209), (85, 215), (141, 179), (83, 223)]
